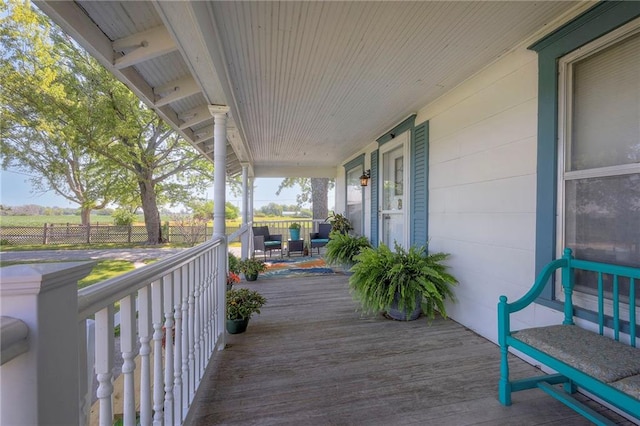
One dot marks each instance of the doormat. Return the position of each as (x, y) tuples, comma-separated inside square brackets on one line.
[(296, 267)]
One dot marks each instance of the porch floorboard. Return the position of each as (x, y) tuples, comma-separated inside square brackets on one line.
[(310, 358)]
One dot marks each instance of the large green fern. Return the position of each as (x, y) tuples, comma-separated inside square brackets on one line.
[(342, 248), (381, 273)]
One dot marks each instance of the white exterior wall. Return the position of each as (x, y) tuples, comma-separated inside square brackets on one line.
[(482, 189)]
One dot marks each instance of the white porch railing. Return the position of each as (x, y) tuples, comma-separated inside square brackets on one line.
[(161, 370)]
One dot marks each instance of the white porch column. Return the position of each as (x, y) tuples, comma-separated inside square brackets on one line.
[(245, 195), (245, 210), (219, 113), (250, 209), (42, 386)]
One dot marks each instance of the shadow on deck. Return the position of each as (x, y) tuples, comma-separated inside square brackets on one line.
[(311, 359)]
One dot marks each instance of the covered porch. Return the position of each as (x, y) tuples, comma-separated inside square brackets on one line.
[(311, 358)]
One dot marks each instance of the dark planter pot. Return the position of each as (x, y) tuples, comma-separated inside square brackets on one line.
[(237, 326), (229, 287), (394, 313), (251, 277)]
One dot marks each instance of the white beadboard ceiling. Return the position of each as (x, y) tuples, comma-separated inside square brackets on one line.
[(308, 83)]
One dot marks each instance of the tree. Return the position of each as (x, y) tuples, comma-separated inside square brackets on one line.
[(313, 190), (49, 113), (83, 132)]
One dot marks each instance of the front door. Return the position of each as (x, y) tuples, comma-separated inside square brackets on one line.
[(394, 200)]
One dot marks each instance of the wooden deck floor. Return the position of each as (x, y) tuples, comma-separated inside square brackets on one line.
[(311, 359)]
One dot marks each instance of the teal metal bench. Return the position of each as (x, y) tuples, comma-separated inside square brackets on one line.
[(606, 367)]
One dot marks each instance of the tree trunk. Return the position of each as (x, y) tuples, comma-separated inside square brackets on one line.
[(319, 197), (150, 211), (85, 215)]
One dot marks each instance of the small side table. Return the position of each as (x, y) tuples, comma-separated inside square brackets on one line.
[(295, 245)]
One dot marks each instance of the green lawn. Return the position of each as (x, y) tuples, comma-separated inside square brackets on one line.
[(103, 270)]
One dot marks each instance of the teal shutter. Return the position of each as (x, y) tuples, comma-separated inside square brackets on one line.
[(419, 184), (374, 198)]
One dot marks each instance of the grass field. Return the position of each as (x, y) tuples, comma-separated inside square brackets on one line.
[(41, 220), (75, 220)]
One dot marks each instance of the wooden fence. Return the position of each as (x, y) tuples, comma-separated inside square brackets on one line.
[(94, 233)]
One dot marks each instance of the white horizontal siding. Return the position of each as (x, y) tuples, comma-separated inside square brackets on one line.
[(482, 188)]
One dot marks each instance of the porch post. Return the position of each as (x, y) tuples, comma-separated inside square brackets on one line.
[(245, 209), (42, 386), (219, 113)]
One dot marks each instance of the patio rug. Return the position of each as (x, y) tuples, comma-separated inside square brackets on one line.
[(296, 267)]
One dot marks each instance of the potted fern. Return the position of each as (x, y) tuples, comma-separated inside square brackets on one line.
[(403, 283), (339, 223), (342, 249)]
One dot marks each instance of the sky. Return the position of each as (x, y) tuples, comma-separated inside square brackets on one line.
[(15, 190)]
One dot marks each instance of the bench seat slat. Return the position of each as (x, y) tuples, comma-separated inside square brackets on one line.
[(598, 356)]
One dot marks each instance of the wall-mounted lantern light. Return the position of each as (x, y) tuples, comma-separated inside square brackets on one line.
[(364, 179)]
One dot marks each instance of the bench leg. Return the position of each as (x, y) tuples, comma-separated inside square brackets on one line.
[(504, 386), (570, 387)]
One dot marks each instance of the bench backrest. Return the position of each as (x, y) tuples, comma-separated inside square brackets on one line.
[(624, 280), (621, 278)]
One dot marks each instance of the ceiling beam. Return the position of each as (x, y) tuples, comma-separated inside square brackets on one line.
[(195, 116), (175, 90), (143, 46)]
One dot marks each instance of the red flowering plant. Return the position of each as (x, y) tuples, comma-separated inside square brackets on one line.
[(233, 278)]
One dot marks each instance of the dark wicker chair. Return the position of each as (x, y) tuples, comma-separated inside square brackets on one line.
[(320, 238), (263, 241)]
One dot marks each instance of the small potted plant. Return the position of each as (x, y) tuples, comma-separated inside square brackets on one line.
[(294, 231), (402, 283), (241, 304), (251, 268), (343, 248)]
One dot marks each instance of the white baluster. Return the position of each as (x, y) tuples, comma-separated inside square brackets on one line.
[(192, 330), (83, 374), (177, 361), (104, 363), (200, 317), (144, 329), (207, 325), (158, 378), (167, 288), (185, 338), (127, 346)]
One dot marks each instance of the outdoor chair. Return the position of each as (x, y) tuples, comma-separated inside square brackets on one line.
[(263, 241), (320, 238)]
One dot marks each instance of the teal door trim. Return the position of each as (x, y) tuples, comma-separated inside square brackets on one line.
[(406, 124)]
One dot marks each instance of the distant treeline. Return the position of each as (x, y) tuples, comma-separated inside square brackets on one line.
[(36, 210)]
